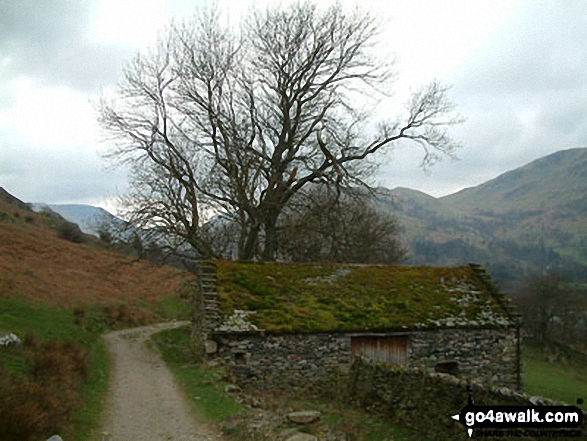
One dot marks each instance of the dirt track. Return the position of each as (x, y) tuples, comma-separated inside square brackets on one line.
[(145, 404)]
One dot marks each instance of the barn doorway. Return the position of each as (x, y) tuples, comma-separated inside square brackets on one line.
[(390, 349)]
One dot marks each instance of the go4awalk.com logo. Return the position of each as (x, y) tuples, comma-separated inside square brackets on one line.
[(519, 421)]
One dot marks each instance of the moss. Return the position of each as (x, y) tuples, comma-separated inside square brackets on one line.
[(330, 297)]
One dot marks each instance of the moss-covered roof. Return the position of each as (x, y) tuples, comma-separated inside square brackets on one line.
[(334, 297)]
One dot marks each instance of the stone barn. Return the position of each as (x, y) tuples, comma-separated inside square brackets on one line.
[(300, 325)]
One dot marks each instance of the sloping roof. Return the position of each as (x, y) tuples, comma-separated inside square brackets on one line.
[(352, 298)]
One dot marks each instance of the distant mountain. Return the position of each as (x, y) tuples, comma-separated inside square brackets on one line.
[(522, 222), (557, 181), (88, 217)]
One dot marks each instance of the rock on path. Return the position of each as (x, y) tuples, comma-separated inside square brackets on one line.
[(145, 404)]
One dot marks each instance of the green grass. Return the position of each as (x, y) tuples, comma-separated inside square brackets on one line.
[(93, 393), (43, 322), (46, 323), (558, 381), (201, 385), (173, 307)]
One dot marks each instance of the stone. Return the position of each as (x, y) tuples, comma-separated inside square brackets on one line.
[(211, 347), (537, 401), (253, 402), (232, 389), (55, 438), (286, 434), (302, 437), (9, 339), (304, 417), (255, 427)]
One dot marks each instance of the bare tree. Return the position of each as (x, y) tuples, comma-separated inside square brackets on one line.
[(239, 122)]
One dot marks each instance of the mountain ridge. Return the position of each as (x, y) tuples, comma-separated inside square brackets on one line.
[(524, 221), (89, 218), (515, 186)]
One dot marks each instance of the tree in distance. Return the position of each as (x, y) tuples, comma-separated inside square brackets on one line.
[(325, 225), (554, 311), (238, 121)]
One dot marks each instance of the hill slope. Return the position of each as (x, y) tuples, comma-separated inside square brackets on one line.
[(521, 222), (555, 181), (36, 264)]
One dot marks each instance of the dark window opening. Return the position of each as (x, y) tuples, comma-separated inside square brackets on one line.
[(447, 367), (240, 358)]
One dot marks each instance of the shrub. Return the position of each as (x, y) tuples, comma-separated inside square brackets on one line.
[(124, 316), (39, 403), (70, 231)]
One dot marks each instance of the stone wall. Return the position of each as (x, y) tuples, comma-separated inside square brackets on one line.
[(422, 400), (489, 356), (315, 360), (285, 361)]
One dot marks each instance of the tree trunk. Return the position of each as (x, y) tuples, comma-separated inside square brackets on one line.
[(247, 252), (270, 249)]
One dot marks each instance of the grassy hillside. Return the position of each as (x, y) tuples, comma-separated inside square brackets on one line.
[(59, 290), (562, 381), (37, 264), (556, 180), (516, 225)]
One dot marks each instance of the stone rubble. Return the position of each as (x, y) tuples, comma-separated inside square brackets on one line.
[(237, 322)]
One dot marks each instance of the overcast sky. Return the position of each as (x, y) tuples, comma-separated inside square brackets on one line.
[(518, 71)]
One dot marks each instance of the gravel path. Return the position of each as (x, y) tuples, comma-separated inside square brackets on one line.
[(145, 404)]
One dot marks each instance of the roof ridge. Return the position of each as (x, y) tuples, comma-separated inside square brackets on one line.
[(501, 298)]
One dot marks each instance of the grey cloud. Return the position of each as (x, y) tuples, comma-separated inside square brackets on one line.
[(57, 176), (525, 92), (541, 49), (48, 40)]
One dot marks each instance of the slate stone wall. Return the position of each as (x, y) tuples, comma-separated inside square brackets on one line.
[(426, 401), (489, 356), (285, 361), (317, 360)]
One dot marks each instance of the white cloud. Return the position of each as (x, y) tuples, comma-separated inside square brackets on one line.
[(131, 22), (54, 117)]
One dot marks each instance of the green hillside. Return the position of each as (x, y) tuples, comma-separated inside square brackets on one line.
[(555, 181), (526, 220)]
